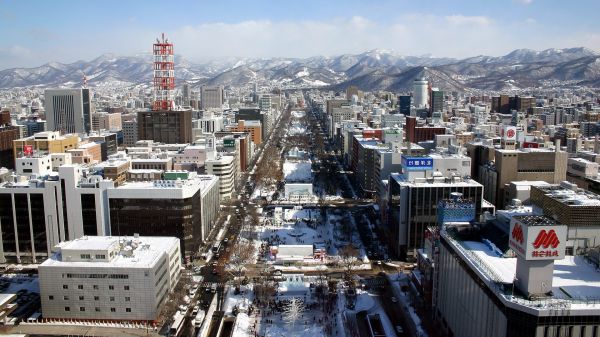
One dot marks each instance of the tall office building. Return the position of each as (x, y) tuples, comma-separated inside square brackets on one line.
[(211, 97), (130, 132), (515, 165), (413, 198), (186, 95), (7, 136), (437, 101), (404, 104), (264, 103), (421, 93), (68, 110), (503, 104), (168, 126), (224, 168)]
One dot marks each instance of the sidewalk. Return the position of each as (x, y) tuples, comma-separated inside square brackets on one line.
[(61, 330)]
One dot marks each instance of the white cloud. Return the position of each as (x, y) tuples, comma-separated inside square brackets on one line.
[(459, 20), (410, 34), (530, 21), (523, 2)]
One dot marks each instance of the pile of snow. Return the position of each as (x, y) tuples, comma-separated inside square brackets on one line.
[(297, 171), (300, 330)]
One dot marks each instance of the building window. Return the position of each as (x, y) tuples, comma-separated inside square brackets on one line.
[(111, 287), (81, 308), (80, 286), (97, 309), (113, 310), (96, 298), (95, 287), (65, 286), (67, 309), (66, 298), (127, 299), (81, 298), (112, 298), (127, 309), (126, 287), (100, 256), (85, 256)]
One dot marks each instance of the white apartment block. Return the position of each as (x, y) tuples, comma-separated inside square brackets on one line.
[(110, 278), (224, 168)]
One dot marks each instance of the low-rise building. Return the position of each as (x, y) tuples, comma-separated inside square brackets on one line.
[(110, 278)]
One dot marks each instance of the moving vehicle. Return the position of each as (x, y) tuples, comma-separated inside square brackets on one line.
[(199, 318), (177, 326), (215, 249)]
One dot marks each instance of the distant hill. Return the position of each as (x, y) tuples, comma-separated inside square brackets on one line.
[(371, 70)]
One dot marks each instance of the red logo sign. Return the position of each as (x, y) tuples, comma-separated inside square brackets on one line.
[(517, 233), (510, 133), (28, 150), (546, 239)]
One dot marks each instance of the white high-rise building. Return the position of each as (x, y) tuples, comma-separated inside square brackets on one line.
[(224, 168), (68, 110), (421, 96), (113, 278), (211, 97)]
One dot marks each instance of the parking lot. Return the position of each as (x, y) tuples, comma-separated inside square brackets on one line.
[(26, 302)]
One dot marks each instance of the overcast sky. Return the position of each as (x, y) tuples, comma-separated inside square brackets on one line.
[(37, 32)]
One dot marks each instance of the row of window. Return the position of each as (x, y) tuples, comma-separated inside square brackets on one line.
[(96, 309), (82, 298), (89, 256), (95, 287), (112, 276)]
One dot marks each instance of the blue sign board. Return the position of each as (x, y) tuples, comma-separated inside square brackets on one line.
[(417, 163)]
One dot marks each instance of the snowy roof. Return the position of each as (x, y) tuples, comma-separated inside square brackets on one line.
[(570, 196), (573, 278), (169, 189), (145, 251)]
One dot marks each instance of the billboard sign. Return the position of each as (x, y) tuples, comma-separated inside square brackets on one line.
[(28, 150), (509, 132), (229, 142), (537, 242), (410, 163), (530, 145)]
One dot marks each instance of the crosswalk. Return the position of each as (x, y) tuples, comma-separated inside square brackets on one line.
[(210, 284)]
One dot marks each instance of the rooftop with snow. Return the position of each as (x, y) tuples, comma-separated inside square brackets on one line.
[(575, 283), (111, 252)]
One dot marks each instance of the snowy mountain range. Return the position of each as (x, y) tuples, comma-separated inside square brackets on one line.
[(371, 70)]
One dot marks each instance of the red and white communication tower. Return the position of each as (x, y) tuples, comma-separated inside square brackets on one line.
[(164, 75)]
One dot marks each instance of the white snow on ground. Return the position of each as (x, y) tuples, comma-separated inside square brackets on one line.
[(240, 300), (301, 214), (300, 330), (297, 171), (296, 130), (298, 114), (18, 282), (302, 73)]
